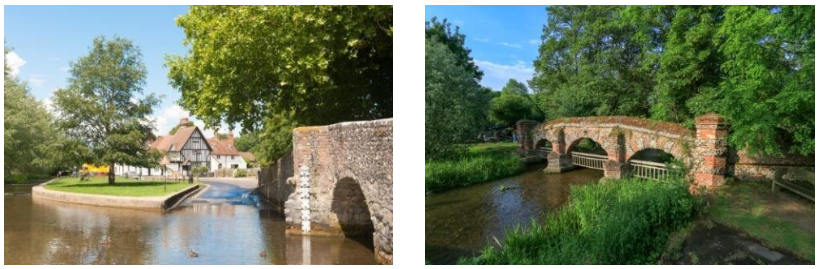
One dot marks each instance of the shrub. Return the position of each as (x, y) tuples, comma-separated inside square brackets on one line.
[(613, 222), (24, 178), (240, 173)]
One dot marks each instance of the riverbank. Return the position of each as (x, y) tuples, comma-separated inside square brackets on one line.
[(228, 229), (648, 222), (95, 195), (780, 219), (613, 222), (476, 163), (121, 187)]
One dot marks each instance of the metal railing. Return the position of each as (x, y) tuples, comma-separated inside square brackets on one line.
[(544, 151), (588, 160), (649, 170)]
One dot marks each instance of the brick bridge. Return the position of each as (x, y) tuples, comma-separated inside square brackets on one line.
[(623, 137), (337, 181)]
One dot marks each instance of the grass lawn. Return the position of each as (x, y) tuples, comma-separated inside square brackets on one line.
[(122, 186), (778, 219)]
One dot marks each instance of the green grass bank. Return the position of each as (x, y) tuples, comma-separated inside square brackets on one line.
[(473, 164), (612, 222), (122, 186)]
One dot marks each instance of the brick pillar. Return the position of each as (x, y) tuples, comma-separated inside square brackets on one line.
[(711, 145), (524, 136), (615, 146), (557, 160)]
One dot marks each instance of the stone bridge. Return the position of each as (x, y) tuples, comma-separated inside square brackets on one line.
[(704, 151), (337, 181)]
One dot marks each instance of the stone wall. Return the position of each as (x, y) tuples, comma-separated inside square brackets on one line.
[(346, 170), (745, 166), (274, 183)]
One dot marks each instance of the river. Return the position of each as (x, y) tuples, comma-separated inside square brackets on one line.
[(227, 224), (462, 222)]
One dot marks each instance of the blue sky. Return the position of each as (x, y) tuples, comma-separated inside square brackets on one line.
[(504, 40), (47, 38)]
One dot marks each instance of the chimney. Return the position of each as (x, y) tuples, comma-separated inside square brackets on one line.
[(183, 121), (231, 138)]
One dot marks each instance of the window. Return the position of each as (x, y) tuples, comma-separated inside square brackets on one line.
[(234, 166), (232, 157)]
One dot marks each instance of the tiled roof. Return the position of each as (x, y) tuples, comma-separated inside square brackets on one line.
[(222, 147), (176, 141)]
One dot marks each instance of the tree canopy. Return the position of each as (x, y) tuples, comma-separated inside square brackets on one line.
[(285, 65), (754, 65), (440, 31), (455, 104), (102, 108), (513, 104)]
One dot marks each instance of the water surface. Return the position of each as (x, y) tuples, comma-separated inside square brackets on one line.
[(225, 225), (462, 222)]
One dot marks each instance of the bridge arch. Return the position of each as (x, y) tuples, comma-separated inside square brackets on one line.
[(351, 209), (622, 137)]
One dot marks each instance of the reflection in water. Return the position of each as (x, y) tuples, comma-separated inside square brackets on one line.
[(222, 228), (463, 221)]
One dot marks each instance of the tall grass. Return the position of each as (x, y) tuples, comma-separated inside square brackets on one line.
[(480, 163), (613, 222)]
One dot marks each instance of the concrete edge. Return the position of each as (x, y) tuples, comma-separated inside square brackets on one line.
[(148, 203)]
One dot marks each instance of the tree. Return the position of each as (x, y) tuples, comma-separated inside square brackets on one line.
[(515, 87), (507, 109), (26, 128), (767, 89), (246, 141), (452, 95), (689, 64), (513, 104), (313, 64), (455, 41), (593, 61), (752, 64), (101, 107)]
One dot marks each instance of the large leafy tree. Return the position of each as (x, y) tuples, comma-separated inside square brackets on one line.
[(285, 65), (767, 89), (101, 107), (32, 143), (27, 129), (593, 62), (513, 104), (452, 95), (689, 64), (440, 31), (515, 87), (754, 65)]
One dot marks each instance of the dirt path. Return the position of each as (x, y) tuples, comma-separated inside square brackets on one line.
[(714, 243)]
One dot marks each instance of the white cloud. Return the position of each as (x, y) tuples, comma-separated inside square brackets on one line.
[(534, 41), (49, 104), (15, 62), (511, 45), (496, 75), (170, 117), (484, 40), (36, 80)]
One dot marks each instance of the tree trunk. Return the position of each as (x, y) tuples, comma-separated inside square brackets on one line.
[(111, 174)]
